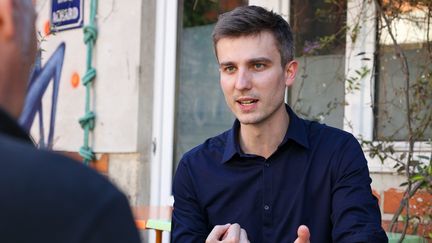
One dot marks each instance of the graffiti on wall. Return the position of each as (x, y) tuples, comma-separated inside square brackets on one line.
[(39, 81)]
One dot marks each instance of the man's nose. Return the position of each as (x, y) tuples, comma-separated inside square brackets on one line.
[(243, 81)]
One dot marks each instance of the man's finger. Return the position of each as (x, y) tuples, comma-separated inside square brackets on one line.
[(217, 232), (303, 234), (233, 233), (243, 236)]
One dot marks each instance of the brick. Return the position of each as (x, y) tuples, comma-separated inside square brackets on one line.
[(420, 210), (101, 164), (72, 155), (421, 204), (420, 229), (386, 226), (392, 199)]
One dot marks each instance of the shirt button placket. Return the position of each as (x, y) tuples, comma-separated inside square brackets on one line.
[(267, 200)]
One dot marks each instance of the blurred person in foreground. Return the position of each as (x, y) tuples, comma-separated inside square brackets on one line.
[(45, 197), (273, 177)]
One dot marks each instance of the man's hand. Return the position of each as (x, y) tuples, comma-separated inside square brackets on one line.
[(229, 233), (303, 234)]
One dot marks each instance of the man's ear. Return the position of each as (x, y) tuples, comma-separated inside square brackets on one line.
[(290, 72), (7, 27)]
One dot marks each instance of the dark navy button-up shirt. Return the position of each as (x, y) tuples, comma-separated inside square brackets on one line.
[(318, 177)]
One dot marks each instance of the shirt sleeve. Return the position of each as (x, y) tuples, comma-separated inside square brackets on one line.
[(188, 219), (355, 212)]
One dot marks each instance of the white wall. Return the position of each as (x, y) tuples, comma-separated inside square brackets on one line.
[(122, 94), (116, 88)]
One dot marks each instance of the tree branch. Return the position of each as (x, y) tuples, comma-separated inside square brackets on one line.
[(405, 69)]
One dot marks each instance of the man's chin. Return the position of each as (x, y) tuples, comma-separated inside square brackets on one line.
[(248, 119)]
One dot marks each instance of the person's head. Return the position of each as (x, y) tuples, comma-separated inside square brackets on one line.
[(17, 52), (254, 50), (252, 20)]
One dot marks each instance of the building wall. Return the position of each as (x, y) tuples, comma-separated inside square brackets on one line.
[(121, 95)]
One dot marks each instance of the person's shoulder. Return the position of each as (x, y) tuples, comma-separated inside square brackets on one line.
[(317, 129), (58, 189), (212, 147), (339, 148), (28, 166), (329, 137)]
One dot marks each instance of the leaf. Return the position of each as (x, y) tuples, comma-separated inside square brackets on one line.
[(404, 184), (417, 178), (423, 157)]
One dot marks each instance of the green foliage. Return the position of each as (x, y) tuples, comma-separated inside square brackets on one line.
[(199, 12), (354, 81)]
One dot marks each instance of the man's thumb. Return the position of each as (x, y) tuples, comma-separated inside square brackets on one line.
[(303, 234)]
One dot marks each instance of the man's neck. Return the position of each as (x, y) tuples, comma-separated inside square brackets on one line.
[(263, 139)]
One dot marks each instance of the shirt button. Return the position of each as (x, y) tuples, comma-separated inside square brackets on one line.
[(267, 164), (266, 207)]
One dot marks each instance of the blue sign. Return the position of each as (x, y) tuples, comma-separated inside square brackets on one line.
[(66, 14)]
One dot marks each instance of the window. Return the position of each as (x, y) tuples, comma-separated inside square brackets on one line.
[(319, 36), (201, 111), (409, 31)]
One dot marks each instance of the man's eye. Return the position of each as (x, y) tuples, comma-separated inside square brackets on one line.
[(259, 66), (230, 69)]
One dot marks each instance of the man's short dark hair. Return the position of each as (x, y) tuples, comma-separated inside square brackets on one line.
[(252, 20)]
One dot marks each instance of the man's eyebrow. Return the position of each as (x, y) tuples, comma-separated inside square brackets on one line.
[(253, 60), (260, 59), (226, 64)]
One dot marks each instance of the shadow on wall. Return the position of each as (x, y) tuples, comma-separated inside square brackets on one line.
[(38, 84)]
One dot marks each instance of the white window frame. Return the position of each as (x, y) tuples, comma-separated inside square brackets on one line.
[(164, 103), (359, 116)]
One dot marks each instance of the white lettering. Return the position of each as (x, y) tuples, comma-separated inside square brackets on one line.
[(63, 1), (63, 15)]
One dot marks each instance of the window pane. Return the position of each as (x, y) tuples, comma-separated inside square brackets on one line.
[(410, 32), (201, 111), (319, 33)]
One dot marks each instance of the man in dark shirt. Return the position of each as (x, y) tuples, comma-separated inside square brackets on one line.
[(273, 177), (45, 197)]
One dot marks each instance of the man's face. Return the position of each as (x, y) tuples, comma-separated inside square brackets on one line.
[(252, 78)]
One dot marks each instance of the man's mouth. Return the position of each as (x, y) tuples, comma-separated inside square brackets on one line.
[(247, 101)]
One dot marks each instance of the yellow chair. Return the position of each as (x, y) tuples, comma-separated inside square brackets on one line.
[(153, 218)]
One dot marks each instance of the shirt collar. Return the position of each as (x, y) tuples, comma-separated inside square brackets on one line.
[(296, 132), (232, 145)]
